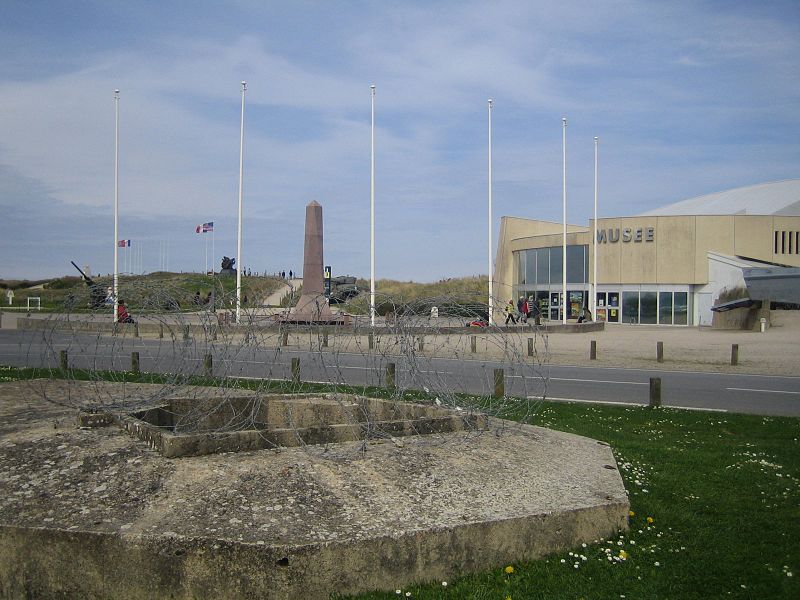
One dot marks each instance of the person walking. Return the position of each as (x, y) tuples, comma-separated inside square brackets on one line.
[(510, 313), (525, 311)]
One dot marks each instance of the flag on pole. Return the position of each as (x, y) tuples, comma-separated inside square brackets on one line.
[(205, 227), (123, 244)]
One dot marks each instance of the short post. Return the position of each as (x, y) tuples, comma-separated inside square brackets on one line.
[(421, 343), (134, 362), (208, 365), (593, 350), (370, 341), (734, 354), (390, 376), (63, 362), (295, 370), (324, 339), (214, 332), (530, 346), (285, 339), (655, 391), (473, 344), (499, 383), (160, 331), (538, 319), (136, 329), (185, 332), (660, 352)]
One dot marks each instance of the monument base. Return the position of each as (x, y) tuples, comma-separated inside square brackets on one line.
[(313, 308)]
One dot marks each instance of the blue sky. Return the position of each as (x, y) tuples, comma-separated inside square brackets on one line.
[(687, 98)]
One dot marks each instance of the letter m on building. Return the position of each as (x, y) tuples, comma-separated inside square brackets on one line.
[(601, 236)]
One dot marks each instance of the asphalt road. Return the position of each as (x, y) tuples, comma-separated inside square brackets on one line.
[(756, 394)]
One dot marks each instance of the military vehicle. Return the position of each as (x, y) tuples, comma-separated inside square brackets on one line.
[(342, 289)]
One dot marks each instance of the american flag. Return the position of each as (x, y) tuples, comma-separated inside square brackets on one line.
[(123, 244), (205, 227)]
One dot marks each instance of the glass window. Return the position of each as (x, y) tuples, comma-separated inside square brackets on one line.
[(530, 267), (543, 266), (555, 264), (681, 308), (630, 307), (648, 307), (576, 264), (521, 258), (665, 308)]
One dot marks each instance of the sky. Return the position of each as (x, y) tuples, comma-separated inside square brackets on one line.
[(686, 98)]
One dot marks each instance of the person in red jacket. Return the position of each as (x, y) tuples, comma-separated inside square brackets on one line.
[(122, 313)]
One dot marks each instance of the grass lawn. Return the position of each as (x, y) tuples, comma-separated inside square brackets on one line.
[(715, 500)]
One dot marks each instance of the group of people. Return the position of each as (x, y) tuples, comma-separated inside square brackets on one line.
[(525, 309), (283, 274)]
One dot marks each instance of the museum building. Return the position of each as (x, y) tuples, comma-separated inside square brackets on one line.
[(667, 266)]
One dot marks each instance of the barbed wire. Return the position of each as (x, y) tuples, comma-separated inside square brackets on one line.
[(428, 367)]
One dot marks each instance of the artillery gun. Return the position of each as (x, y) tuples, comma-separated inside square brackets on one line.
[(97, 296)]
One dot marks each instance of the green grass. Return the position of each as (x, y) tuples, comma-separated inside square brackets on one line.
[(723, 491)]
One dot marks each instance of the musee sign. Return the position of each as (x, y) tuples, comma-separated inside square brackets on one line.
[(628, 234)]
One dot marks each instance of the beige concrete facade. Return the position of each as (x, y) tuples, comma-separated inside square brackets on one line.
[(649, 252)]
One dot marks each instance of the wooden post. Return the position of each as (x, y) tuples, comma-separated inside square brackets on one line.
[(63, 362), (660, 351), (499, 383), (421, 343), (734, 354), (295, 370), (593, 350), (214, 332), (370, 341), (134, 362), (655, 391), (473, 344), (186, 332), (324, 339), (390, 376), (136, 329), (160, 330), (285, 339), (208, 365)]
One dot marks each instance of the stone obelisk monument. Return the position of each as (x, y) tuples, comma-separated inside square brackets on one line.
[(312, 307)]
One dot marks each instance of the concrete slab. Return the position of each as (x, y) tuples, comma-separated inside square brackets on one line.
[(96, 513)]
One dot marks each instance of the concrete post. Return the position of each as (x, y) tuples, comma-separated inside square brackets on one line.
[(473, 344), (63, 362), (295, 370), (134, 362), (655, 391), (390, 376), (208, 365), (660, 352), (734, 354), (530, 346), (593, 350), (499, 383)]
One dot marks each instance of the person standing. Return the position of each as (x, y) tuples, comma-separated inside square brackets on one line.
[(525, 311), (510, 313)]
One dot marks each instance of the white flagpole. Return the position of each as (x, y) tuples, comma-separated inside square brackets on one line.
[(491, 300), (213, 269), (593, 302), (372, 213), (116, 203), (205, 239), (239, 237), (564, 301)]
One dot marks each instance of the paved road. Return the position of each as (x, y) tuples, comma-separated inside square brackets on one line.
[(757, 394)]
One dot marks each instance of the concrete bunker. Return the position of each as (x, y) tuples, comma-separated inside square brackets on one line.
[(194, 427)]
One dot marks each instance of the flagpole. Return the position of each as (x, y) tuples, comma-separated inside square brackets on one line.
[(239, 237), (372, 212), (491, 300), (594, 235), (116, 203), (213, 254), (564, 206), (205, 239)]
